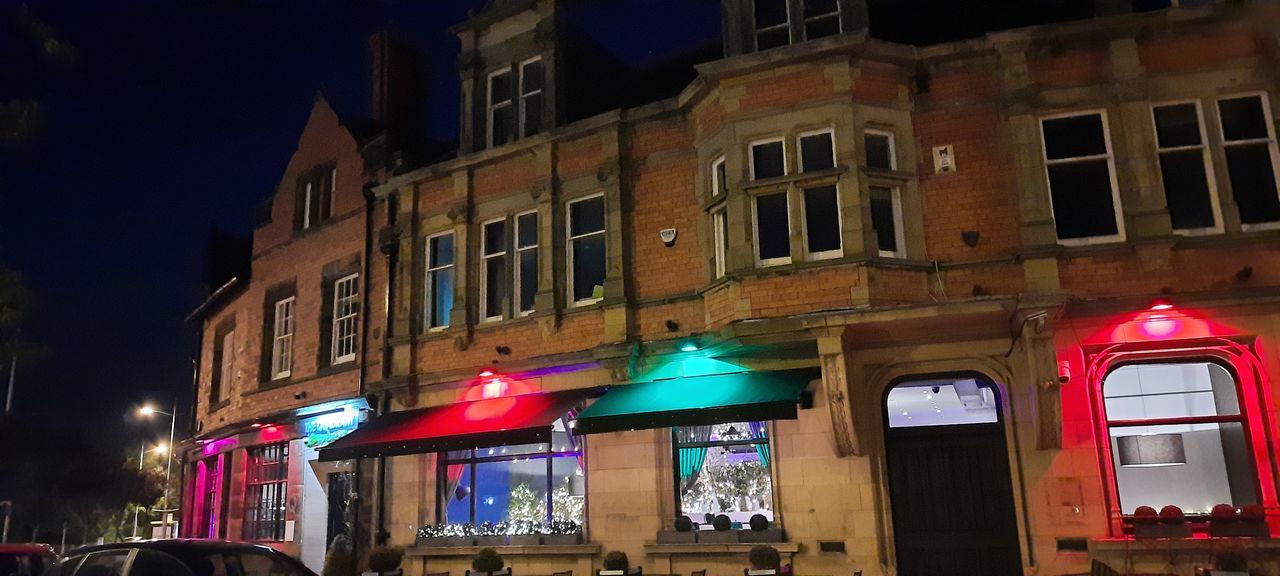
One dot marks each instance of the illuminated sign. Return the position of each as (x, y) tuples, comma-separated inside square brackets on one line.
[(321, 430)]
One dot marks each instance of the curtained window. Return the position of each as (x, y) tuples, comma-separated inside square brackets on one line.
[(724, 469)]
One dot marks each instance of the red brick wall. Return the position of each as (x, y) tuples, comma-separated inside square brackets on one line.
[(1191, 53), (1072, 69), (786, 88), (578, 157), (503, 177), (665, 168)]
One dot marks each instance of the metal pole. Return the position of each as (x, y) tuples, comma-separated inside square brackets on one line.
[(168, 467), (13, 370), (135, 520), (142, 454), (62, 550), (8, 511)]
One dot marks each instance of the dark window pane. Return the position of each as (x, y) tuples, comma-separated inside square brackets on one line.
[(822, 27), (495, 285), (816, 152), (527, 226), (442, 250), (773, 227), (588, 267), (883, 220), (502, 125), (1243, 118), (1082, 203), (586, 216), (528, 279), (820, 7), (721, 178), (770, 13), (500, 88), (153, 563), (1177, 125), (495, 237), (879, 152), (1073, 137), (767, 160), (1186, 189), (1253, 182), (822, 219), (531, 77), (532, 109), (773, 38)]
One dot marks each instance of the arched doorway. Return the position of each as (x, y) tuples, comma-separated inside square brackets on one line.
[(949, 482)]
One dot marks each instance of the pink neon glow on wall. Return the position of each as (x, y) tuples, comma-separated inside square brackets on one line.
[(220, 445)]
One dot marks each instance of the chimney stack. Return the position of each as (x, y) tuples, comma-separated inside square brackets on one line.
[(398, 89)]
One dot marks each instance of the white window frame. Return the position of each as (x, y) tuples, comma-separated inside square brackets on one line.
[(1208, 163), (900, 237), (751, 156), (515, 263), (487, 315), (893, 147), (719, 241), (1110, 157), (1270, 140), (568, 232), (716, 184), (226, 374), (836, 252), (755, 229), (429, 297), (333, 190), (800, 148), (805, 21), (525, 95), (282, 324), (338, 300), (491, 106), (306, 208), (756, 30)]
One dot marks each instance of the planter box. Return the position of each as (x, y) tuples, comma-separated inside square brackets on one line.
[(524, 539), (762, 536), (1162, 530), (718, 536), (491, 540), (561, 539), (439, 541), (1239, 529), (673, 537)]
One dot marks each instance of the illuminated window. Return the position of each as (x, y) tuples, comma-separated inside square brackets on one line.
[(586, 250), (942, 402), (1253, 164), (1178, 437), (526, 260), (1185, 168), (531, 81), (525, 485), (724, 469), (266, 478), (211, 485), (1081, 172), (346, 310), (500, 110), (440, 278), (282, 339), (493, 269)]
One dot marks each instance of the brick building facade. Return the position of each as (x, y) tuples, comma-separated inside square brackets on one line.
[(954, 309)]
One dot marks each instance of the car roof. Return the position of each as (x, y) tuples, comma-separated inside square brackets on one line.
[(180, 545), (44, 549)]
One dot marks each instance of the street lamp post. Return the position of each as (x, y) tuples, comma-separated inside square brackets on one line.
[(168, 467)]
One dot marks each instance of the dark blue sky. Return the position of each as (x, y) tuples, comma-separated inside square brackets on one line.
[(171, 117)]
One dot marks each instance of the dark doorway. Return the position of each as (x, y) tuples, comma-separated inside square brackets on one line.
[(340, 485), (949, 482)]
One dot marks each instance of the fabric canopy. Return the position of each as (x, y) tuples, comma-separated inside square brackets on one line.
[(698, 400), (522, 419)]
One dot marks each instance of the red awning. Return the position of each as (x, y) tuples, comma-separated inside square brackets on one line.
[(523, 419)]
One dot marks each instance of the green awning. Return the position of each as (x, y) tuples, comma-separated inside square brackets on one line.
[(742, 396)]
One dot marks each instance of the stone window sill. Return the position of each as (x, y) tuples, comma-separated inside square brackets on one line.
[(739, 548), (531, 550)]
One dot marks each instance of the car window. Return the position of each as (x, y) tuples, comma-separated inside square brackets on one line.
[(24, 564), (105, 563), (154, 563), (67, 567), (247, 563)]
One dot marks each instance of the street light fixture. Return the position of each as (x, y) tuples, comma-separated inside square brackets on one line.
[(147, 411)]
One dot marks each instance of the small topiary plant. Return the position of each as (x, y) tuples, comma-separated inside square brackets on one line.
[(617, 560), (1172, 515), (1145, 515), (385, 559), (722, 523), (487, 560), (340, 561), (759, 523), (684, 524), (1224, 513)]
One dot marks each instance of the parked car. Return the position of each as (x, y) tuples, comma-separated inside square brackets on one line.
[(26, 559), (179, 558)]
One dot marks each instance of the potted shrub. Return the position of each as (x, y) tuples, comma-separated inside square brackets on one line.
[(1230, 564), (385, 561), (487, 561), (1253, 521), (616, 563), (1175, 522), (722, 533), (340, 560), (1146, 523), (1250, 522), (683, 533), (761, 531)]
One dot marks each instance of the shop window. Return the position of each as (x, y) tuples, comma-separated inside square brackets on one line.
[(773, 229), (526, 260), (1178, 437), (1185, 167), (944, 402), (500, 113), (586, 250), (1249, 139), (282, 339), (886, 219), (524, 485), (821, 18), (532, 79), (210, 486), (880, 150), (266, 478), (773, 24), (768, 159), (720, 239), (346, 310), (724, 469), (493, 267), (440, 279), (1081, 172)]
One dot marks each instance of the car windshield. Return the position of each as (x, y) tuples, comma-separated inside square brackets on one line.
[(249, 562), (24, 564)]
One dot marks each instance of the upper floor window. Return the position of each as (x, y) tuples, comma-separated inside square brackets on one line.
[(1253, 164), (1178, 437), (880, 150), (532, 79), (818, 198), (768, 159), (224, 362), (1185, 167), (724, 469), (720, 239), (493, 267), (821, 202), (586, 249), (821, 18), (885, 198), (773, 229), (346, 311), (773, 24), (719, 181), (1082, 185), (526, 260), (282, 339), (440, 280), (817, 150), (501, 115), (313, 202)]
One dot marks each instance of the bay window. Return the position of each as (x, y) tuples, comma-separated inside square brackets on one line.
[(1081, 171), (1253, 164), (440, 279), (586, 248), (773, 229), (814, 190), (724, 469)]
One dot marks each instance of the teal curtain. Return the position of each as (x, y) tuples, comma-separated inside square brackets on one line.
[(692, 458), (760, 431)]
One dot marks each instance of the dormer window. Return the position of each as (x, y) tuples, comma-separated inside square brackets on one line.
[(813, 19), (531, 82), (821, 18), (501, 114), (773, 24), (313, 202), (515, 102)]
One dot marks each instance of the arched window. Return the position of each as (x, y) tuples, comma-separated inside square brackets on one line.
[(942, 402), (1178, 437)]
